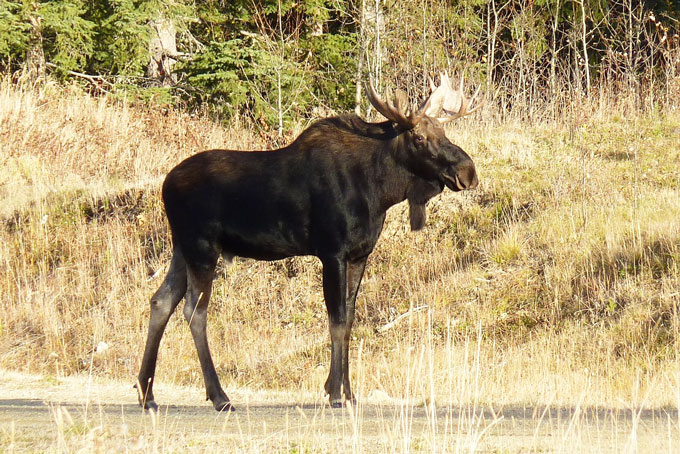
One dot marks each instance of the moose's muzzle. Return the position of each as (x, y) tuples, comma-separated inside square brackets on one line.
[(464, 177)]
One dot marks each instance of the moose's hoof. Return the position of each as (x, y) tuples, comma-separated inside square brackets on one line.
[(145, 399), (150, 405), (224, 407)]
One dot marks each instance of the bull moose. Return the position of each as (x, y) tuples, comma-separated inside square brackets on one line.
[(326, 195)]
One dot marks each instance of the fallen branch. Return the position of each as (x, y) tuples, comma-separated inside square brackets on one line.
[(97, 81), (393, 323)]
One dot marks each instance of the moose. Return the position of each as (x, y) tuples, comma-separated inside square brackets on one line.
[(326, 195)]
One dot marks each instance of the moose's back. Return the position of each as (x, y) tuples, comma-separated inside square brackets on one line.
[(313, 197)]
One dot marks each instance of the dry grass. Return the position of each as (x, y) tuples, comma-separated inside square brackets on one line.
[(555, 283), (90, 414)]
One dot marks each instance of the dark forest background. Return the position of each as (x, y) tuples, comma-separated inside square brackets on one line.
[(274, 62)]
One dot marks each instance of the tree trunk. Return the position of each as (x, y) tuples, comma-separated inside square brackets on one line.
[(362, 50), (163, 52), (35, 57), (586, 60)]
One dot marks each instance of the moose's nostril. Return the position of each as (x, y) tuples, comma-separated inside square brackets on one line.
[(467, 176), (475, 182)]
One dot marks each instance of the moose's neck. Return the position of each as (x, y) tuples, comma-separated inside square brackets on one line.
[(391, 178), (396, 183)]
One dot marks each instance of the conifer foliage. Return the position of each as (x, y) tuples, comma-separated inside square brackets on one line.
[(277, 61)]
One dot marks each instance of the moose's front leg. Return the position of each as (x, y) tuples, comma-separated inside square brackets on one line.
[(355, 271), (335, 292)]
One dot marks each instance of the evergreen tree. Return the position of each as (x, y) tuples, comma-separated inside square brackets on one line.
[(277, 60), (67, 37), (14, 31)]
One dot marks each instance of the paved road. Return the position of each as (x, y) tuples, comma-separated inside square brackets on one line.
[(78, 414)]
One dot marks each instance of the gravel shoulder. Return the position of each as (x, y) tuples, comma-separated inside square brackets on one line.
[(81, 414)]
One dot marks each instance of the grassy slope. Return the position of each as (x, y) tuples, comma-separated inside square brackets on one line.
[(556, 281)]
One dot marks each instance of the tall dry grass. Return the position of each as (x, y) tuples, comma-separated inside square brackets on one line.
[(555, 282), (303, 422)]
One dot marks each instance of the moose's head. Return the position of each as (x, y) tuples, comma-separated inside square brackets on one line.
[(423, 147)]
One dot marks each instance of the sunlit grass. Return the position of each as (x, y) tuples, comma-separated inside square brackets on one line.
[(555, 283)]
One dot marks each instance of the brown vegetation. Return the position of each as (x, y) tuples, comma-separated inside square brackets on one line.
[(559, 274)]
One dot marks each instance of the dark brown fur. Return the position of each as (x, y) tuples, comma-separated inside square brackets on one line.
[(326, 194)]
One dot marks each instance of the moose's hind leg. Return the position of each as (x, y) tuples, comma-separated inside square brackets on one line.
[(163, 304), (196, 313)]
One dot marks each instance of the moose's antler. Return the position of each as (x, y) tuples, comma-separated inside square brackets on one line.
[(453, 102), (394, 112)]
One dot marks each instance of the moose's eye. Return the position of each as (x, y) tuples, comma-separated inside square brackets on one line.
[(419, 138)]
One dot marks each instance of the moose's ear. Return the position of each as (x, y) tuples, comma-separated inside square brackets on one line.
[(418, 194)]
